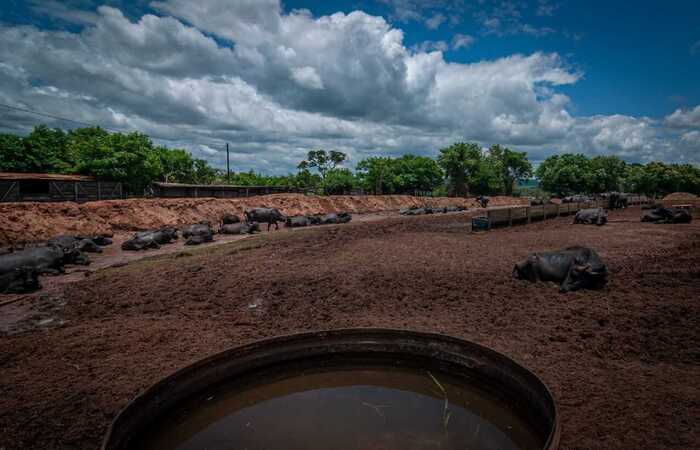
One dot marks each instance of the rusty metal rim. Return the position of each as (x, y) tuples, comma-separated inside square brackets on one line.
[(285, 348)]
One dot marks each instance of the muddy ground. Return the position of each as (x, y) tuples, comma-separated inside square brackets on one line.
[(623, 362)]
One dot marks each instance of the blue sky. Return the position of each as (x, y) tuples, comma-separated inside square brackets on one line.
[(365, 76)]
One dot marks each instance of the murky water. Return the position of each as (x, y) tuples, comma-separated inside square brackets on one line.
[(348, 408)]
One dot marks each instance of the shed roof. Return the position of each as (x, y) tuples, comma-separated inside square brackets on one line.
[(15, 176)]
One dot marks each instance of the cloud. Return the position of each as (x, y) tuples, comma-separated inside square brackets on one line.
[(276, 84), (307, 77), (684, 118), (546, 8), (435, 21), (462, 41)]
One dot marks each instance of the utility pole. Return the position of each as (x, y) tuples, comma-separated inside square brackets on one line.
[(228, 167)]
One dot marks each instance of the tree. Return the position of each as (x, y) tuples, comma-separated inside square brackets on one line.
[(338, 181), (177, 164), (565, 174), (322, 161), (606, 173), (13, 156), (460, 162), (376, 174), (510, 165), (46, 148), (405, 175)]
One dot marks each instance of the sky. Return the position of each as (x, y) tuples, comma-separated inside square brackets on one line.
[(276, 79)]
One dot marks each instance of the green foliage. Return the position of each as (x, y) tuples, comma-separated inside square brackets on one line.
[(405, 175), (14, 158), (565, 174), (322, 161), (510, 166), (606, 174), (338, 181), (461, 163), (657, 178)]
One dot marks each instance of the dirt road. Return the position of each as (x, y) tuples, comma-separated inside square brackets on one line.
[(623, 362)]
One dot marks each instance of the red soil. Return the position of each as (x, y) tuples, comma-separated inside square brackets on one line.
[(623, 362), (29, 222)]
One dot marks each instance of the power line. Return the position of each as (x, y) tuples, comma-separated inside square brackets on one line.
[(54, 117), (78, 122)]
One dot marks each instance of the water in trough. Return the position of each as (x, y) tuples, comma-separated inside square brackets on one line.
[(376, 407)]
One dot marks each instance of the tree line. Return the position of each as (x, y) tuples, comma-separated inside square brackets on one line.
[(460, 169)]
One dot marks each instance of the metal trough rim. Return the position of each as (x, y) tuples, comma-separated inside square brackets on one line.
[(150, 403)]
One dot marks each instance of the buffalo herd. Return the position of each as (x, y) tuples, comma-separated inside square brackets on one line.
[(573, 268)]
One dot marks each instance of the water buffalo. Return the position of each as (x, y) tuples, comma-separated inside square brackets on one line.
[(483, 200), (617, 200), (437, 210), (19, 281), (75, 242), (150, 239), (264, 215), (99, 239), (298, 221), (596, 216), (454, 208), (412, 211), (574, 268), (239, 228), (332, 218), (198, 233), (663, 214), (576, 199), (48, 259), (228, 219)]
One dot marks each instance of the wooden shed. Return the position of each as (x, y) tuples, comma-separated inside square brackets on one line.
[(177, 190), (49, 187)]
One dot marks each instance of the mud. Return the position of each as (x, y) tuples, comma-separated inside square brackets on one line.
[(623, 362), (30, 222)]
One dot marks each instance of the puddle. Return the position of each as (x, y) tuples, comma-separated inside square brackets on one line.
[(375, 407)]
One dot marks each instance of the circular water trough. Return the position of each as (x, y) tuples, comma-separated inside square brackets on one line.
[(524, 392)]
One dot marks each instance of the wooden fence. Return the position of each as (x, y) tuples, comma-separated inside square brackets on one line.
[(527, 214)]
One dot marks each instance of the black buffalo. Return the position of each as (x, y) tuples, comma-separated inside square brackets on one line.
[(19, 270), (483, 200), (412, 211), (596, 216), (617, 200), (576, 199), (332, 218), (198, 233), (298, 221), (75, 242), (228, 219), (574, 268), (239, 228), (150, 239), (20, 280), (264, 215), (663, 214)]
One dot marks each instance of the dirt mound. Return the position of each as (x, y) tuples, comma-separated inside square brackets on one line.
[(29, 222), (681, 196)]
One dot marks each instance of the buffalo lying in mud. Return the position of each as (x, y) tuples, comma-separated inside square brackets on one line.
[(81, 243), (19, 270), (239, 228), (596, 216), (318, 219), (198, 233), (228, 219), (419, 211), (298, 221), (662, 214), (264, 215), (574, 268), (150, 239)]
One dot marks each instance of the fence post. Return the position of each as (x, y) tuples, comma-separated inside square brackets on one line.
[(529, 215)]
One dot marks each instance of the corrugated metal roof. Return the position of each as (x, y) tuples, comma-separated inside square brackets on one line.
[(44, 176), (215, 186)]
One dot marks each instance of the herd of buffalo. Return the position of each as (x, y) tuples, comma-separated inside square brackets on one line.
[(573, 268)]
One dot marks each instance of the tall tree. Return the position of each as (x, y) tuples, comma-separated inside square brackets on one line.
[(565, 174), (322, 161), (606, 173), (511, 166), (460, 162)]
